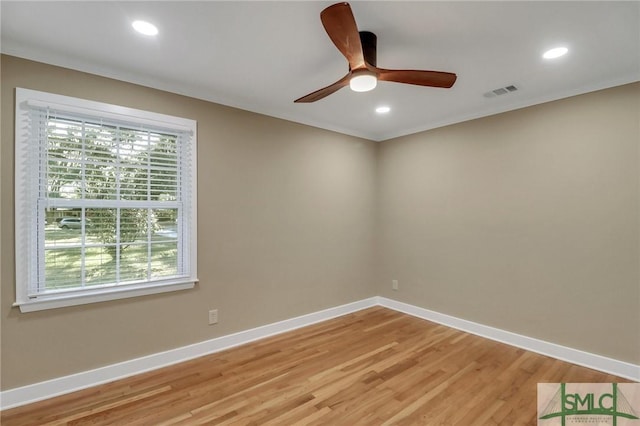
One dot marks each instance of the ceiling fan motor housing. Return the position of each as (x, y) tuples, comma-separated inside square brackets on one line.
[(369, 47)]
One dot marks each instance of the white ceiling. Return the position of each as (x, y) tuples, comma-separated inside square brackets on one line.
[(260, 56)]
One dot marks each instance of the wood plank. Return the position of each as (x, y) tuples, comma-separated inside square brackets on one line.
[(372, 367)]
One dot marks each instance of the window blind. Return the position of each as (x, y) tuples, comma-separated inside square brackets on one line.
[(112, 201)]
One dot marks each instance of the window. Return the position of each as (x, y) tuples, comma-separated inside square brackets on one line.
[(105, 201)]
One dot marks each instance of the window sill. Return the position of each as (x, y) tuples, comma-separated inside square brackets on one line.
[(64, 300)]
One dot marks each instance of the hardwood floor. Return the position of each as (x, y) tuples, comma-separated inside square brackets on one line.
[(373, 367)]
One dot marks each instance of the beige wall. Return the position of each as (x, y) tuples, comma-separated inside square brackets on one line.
[(285, 221), (527, 221)]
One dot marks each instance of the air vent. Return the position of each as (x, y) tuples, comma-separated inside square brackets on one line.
[(501, 91)]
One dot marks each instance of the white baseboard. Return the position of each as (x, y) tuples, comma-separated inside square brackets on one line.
[(574, 356), (63, 385), (67, 384)]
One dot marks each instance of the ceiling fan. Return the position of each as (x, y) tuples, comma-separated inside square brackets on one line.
[(360, 50)]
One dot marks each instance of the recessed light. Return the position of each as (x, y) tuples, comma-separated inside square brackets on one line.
[(556, 52), (144, 27), (383, 109)]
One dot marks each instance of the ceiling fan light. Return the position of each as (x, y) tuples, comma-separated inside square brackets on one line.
[(363, 81)]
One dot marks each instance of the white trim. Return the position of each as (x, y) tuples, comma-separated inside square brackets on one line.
[(488, 110), (86, 379), (84, 107), (63, 385), (574, 356), (82, 298), (47, 57)]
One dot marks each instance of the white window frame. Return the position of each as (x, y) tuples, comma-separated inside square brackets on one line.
[(27, 99)]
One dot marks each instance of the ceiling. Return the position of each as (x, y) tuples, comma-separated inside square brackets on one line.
[(260, 56)]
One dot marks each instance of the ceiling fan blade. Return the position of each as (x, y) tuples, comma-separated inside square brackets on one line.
[(420, 78), (325, 91), (341, 27)]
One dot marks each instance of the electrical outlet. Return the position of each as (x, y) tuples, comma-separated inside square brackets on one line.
[(213, 316), (394, 284)]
